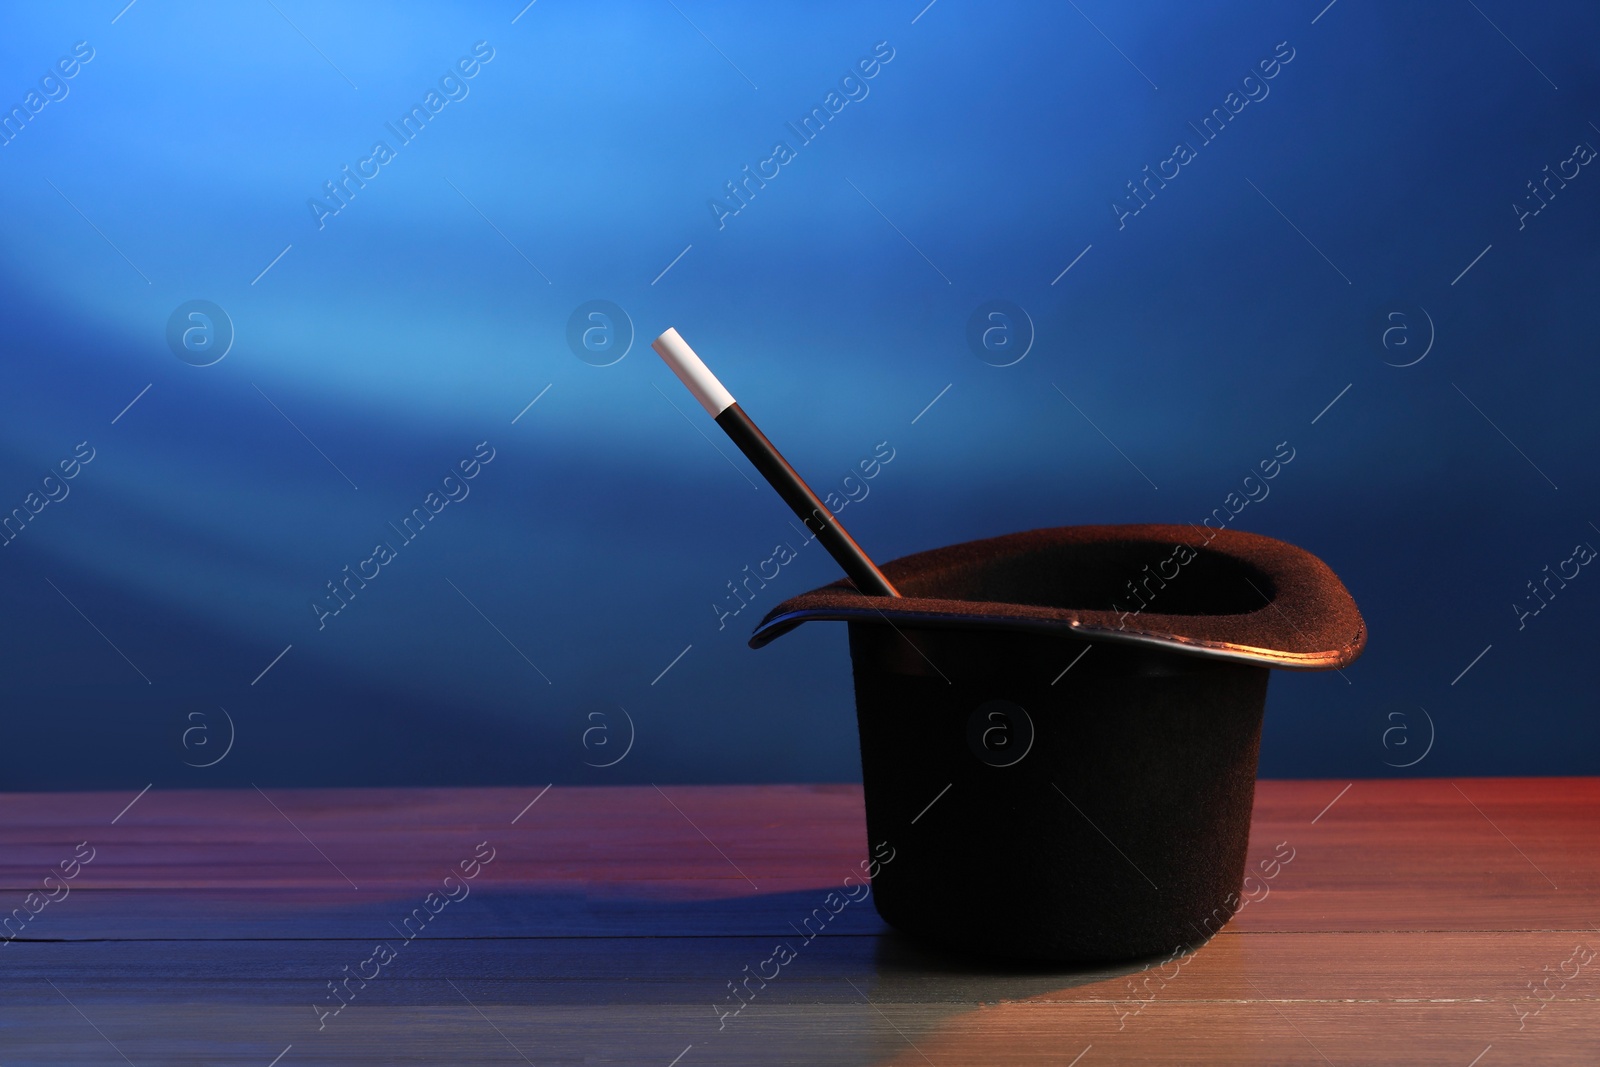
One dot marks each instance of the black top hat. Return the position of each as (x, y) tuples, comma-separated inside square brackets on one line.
[(1223, 594), (1098, 804)]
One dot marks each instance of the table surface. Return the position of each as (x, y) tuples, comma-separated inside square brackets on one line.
[(1419, 921)]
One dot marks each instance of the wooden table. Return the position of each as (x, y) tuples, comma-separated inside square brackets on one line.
[(1418, 922)]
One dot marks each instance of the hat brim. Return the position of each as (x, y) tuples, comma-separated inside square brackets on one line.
[(1223, 594)]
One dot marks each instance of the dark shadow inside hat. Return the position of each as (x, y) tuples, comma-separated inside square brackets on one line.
[(1096, 575)]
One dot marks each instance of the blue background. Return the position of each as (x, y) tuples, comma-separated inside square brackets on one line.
[(983, 161)]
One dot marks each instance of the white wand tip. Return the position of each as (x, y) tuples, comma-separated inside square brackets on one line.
[(693, 372)]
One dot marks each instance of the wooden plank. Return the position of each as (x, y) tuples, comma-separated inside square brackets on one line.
[(1242, 998), (1235, 1035), (1430, 854)]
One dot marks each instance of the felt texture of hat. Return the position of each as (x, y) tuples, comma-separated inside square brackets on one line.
[(1222, 594), (1114, 824)]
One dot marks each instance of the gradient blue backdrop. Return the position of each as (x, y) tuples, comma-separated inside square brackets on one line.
[(424, 316)]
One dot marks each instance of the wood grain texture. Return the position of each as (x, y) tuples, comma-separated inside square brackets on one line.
[(1419, 921)]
